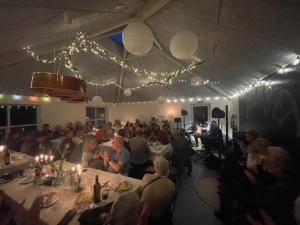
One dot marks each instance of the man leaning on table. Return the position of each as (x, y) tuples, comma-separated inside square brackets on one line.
[(118, 160)]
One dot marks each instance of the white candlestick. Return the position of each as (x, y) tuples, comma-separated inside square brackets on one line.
[(41, 156), (51, 157), (37, 159), (46, 157)]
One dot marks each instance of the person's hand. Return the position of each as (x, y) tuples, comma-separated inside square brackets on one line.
[(250, 176), (267, 220), (67, 146), (106, 156)]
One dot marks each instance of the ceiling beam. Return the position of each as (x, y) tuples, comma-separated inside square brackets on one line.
[(121, 77)]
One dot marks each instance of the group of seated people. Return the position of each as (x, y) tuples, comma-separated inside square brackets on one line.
[(259, 184)]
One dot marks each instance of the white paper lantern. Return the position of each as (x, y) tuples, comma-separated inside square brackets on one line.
[(137, 38), (127, 92), (97, 100), (196, 80), (161, 99), (184, 44)]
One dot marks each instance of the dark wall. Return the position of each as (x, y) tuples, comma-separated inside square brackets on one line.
[(275, 112)]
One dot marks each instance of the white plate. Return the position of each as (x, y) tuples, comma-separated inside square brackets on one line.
[(27, 180), (49, 198)]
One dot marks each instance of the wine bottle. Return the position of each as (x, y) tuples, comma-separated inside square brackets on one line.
[(97, 189), (7, 157)]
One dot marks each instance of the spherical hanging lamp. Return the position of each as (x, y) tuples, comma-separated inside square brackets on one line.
[(137, 38), (184, 45), (97, 100), (161, 99), (127, 92)]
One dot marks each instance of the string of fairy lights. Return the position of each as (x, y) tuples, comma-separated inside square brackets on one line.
[(82, 43)]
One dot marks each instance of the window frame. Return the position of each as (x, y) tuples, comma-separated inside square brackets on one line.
[(8, 126), (94, 121)]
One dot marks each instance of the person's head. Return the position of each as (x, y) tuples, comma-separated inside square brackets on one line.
[(41, 137), (78, 125), (256, 152), (278, 162), (161, 166), (91, 142), (58, 128), (29, 137), (121, 132), (118, 143), (250, 136), (213, 124), (69, 134), (125, 210), (70, 126), (181, 132), (46, 127), (138, 131), (109, 124)]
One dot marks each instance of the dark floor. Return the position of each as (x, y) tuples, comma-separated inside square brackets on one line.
[(190, 209)]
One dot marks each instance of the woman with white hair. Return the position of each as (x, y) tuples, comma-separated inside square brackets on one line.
[(157, 191), (125, 210)]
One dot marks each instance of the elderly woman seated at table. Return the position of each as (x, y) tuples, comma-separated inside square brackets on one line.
[(125, 210), (91, 154), (157, 191), (118, 160)]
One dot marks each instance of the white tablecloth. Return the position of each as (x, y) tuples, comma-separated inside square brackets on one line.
[(53, 214), (18, 161)]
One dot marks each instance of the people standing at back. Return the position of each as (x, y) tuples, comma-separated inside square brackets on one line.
[(140, 152)]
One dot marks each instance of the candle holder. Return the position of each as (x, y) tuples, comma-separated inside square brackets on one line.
[(78, 188)]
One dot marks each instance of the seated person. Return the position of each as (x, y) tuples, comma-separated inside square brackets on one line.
[(14, 141), (90, 154), (46, 131), (101, 135), (118, 160), (78, 126), (124, 211), (79, 137), (29, 145), (163, 137), (44, 146), (157, 191), (58, 132), (67, 144)]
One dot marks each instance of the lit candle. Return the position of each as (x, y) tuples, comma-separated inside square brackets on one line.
[(2, 147), (37, 159), (79, 172), (42, 156), (51, 157), (46, 157), (73, 168), (116, 134)]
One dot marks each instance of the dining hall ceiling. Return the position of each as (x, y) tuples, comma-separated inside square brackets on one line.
[(238, 41)]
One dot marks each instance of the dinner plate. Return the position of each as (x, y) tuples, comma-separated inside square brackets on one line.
[(48, 199), (124, 186), (27, 180)]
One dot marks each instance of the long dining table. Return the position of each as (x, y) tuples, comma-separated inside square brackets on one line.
[(18, 161), (53, 214)]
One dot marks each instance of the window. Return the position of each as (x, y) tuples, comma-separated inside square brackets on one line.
[(96, 115), (17, 118)]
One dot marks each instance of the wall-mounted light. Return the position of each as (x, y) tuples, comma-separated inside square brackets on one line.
[(46, 99), (168, 100), (207, 98), (191, 99), (33, 98), (1, 96), (17, 97), (182, 100), (175, 100)]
